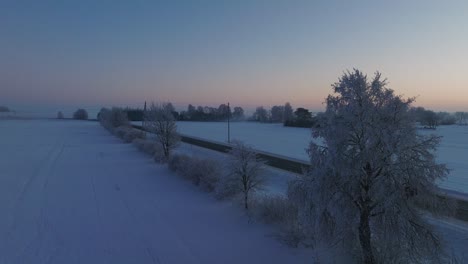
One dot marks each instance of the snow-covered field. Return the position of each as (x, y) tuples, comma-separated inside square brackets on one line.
[(72, 193), (292, 142)]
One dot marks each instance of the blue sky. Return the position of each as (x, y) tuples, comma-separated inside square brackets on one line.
[(103, 53)]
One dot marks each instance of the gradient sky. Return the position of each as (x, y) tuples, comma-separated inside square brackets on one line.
[(103, 53)]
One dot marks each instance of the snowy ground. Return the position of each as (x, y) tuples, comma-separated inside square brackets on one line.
[(292, 142), (72, 193)]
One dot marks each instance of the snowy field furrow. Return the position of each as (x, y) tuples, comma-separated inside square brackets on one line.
[(292, 142), (72, 193)]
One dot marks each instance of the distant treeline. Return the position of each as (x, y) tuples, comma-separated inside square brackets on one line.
[(285, 114), (199, 113), (301, 117), (206, 113)]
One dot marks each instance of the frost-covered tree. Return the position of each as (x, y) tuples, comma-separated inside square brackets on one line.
[(159, 119), (445, 118), (373, 174), (461, 118), (60, 115), (245, 171), (113, 118)]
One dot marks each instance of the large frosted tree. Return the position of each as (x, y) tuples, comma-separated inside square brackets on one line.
[(373, 175)]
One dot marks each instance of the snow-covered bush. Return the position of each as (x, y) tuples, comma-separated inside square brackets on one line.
[(147, 146), (281, 212), (274, 209), (180, 164), (121, 131), (244, 173), (224, 188), (80, 114), (202, 172), (208, 172), (113, 118), (133, 134)]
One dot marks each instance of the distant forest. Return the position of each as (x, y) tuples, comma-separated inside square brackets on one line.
[(301, 117)]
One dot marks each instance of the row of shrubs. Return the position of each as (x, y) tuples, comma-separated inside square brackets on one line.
[(115, 121), (129, 134), (211, 176), (277, 210)]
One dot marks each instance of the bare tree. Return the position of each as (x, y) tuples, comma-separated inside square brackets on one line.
[(245, 171), (373, 174), (159, 119)]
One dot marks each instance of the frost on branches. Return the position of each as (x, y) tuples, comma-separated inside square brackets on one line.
[(374, 175), (159, 119), (245, 172)]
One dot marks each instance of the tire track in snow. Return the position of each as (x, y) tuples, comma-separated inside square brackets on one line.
[(35, 181), (98, 208)]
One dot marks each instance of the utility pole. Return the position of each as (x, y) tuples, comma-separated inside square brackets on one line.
[(229, 125), (143, 119)]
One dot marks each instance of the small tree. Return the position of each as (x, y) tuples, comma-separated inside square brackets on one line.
[(373, 174), (245, 171), (60, 115), (159, 119), (80, 114)]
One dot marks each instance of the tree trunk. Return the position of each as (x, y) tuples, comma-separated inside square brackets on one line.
[(365, 238), (246, 200), (166, 151)]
